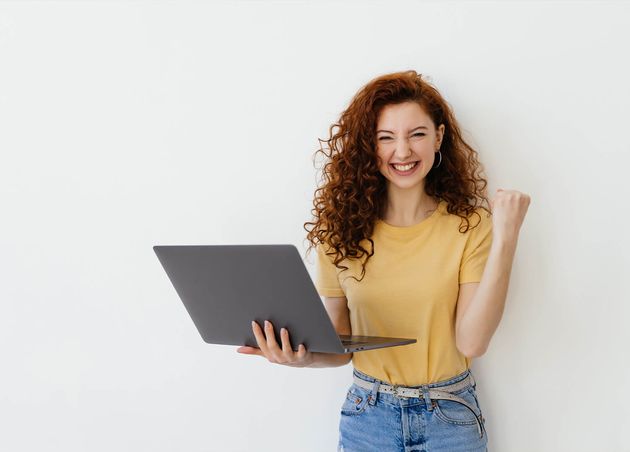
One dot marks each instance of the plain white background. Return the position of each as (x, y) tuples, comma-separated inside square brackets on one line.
[(129, 124)]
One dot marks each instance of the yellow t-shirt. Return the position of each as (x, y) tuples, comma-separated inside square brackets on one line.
[(410, 290)]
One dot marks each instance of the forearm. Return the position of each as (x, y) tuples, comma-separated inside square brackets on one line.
[(485, 310), (329, 359)]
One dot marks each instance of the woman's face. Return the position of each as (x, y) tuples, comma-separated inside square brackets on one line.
[(406, 134)]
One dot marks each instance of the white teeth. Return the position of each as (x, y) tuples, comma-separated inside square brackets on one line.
[(405, 167)]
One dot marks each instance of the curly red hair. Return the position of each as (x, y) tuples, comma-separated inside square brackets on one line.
[(354, 193)]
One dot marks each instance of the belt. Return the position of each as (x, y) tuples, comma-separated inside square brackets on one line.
[(434, 393)]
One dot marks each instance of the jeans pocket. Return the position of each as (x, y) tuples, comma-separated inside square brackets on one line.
[(356, 401), (456, 413)]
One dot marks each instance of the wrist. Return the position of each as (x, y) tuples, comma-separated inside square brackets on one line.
[(309, 359), (505, 240)]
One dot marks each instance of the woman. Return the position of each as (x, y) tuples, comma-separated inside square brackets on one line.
[(404, 249)]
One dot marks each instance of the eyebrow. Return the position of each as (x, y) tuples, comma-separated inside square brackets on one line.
[(389, 131)]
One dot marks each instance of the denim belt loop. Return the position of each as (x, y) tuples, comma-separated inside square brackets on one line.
[(427, 398), (374, 393)]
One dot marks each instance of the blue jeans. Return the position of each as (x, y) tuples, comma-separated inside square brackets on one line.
[(379, 422)]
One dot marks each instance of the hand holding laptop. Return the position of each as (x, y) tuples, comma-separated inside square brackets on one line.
[(268, 347), (224, 287)]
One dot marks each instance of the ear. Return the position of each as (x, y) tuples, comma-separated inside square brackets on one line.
[(440, 134)]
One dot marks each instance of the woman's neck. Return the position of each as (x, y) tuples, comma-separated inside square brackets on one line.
[(408, 208)]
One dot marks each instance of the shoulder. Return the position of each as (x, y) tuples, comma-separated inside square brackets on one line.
[(479, 220)]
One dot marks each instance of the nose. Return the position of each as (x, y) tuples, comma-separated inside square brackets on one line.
[(403, 150)]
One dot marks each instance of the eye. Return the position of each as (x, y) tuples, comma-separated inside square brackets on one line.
[(389, 138)]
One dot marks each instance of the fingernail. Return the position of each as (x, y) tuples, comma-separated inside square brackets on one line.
[(253, 323), (283, 330), (266, 323)]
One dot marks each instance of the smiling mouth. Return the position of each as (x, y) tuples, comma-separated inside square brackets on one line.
[(404, 169)]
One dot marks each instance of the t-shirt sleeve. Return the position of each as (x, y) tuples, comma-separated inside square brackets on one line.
[(326, 281), (477, 249)]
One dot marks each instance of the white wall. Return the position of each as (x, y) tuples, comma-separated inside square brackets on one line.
[(120, 123)]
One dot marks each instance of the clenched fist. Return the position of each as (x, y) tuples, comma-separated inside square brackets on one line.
[(508, 212)]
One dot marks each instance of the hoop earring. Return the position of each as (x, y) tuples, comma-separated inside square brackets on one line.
[(439, 152)]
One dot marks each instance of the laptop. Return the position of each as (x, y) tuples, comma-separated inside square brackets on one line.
[(225, 287)]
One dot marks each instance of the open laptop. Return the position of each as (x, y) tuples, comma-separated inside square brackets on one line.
[(225, 287)]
